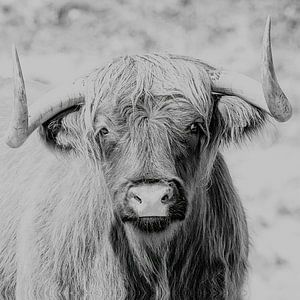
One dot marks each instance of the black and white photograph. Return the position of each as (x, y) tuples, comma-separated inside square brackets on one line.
[(149, 150)]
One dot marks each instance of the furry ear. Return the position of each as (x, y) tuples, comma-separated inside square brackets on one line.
[(62, 132), (240, 119)]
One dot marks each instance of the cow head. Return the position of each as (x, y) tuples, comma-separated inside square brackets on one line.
[(153, 123)]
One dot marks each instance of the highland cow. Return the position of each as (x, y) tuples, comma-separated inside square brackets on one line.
[(123, 192)]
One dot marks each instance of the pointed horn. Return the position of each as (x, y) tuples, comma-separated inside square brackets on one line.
[(267, 96), (277, 102), (18, 128), (24, 121)]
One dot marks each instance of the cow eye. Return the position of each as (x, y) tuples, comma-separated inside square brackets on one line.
[(194, 128), (103, 131)]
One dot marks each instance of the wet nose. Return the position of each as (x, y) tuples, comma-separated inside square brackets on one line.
[(150, 200)]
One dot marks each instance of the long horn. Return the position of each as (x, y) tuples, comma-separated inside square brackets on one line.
[(24, 120), (267, 96), (277, 102), (18, 128)]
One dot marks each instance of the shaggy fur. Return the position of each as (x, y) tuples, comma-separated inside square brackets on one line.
[(61, 205)]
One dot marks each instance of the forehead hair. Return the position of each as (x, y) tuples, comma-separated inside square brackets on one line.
[(128, 79)]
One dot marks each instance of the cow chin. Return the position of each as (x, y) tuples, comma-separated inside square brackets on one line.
[(152, 224), (152, 231)]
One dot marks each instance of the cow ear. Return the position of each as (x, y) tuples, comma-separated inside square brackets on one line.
[(240, 119), (62, 131)]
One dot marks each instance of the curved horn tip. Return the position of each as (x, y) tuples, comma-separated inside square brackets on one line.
[(15, 56), (277, 102), (267, 38), (18, 127), (267, 33), (14, 49), (16, 63), (268, 22)]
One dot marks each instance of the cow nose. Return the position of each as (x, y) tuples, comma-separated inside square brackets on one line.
[(150, 200)]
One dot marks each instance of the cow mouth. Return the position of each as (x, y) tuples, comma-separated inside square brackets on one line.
[(151, 224), (156, 224)]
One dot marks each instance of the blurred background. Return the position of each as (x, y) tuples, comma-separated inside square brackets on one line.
[(59, 40)]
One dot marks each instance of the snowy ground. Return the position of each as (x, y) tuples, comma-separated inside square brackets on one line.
[(57, 41)]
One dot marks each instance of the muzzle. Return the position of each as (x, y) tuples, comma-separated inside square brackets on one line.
[(152, 205)]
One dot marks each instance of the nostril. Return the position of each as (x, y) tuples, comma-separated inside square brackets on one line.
[(165, 199), (137, 198), (133, 196)]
